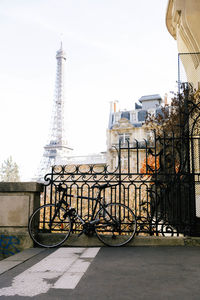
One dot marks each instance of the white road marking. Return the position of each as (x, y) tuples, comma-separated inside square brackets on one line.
[(70, 279), (90, 252), (62, 269)]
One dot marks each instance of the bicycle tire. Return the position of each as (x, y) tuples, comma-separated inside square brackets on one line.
[(39, 228), (115, 233)]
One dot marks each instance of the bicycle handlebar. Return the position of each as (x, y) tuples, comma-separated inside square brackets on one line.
[(60, 188), (100, 187), (103, 186)]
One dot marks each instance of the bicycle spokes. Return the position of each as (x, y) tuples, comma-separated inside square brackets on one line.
[(117, 224), (48, 227)]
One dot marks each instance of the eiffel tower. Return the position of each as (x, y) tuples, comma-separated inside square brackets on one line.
[(56, 150)]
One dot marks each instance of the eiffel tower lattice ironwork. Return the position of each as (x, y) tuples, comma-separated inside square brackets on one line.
[(56, 150)]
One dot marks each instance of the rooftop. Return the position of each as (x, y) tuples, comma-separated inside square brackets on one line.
[(150, 97)]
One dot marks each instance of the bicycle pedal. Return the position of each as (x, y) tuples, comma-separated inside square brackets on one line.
[(80, 233)]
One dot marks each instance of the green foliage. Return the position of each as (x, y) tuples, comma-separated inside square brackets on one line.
[(9, 171)]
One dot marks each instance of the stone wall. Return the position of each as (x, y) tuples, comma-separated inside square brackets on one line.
[(17, 202)]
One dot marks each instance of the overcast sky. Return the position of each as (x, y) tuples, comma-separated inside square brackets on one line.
[(116, 50)]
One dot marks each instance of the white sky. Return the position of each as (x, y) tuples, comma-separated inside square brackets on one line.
[(116, 50)]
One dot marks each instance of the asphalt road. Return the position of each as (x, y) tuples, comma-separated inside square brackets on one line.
[(106, 273)]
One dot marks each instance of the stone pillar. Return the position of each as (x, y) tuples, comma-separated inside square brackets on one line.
[(17, 202)]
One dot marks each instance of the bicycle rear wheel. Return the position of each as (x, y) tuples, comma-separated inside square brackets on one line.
[(116, 224), (44, 234)]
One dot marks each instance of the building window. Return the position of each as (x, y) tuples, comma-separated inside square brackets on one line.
[(133, 116), (124, 139)]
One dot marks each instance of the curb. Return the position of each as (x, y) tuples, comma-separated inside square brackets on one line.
[(14, 260), (142, 241)]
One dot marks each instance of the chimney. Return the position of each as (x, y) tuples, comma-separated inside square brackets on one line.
[(165, 99), (115, 105)]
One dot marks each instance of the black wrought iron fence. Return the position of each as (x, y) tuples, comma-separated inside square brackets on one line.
[(160, 196)]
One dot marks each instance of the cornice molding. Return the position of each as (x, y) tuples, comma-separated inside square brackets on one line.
[(177, 25), (169, 19)]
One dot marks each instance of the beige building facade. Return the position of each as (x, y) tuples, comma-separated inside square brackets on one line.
[(183, 23), (124, 132), (128, 127)]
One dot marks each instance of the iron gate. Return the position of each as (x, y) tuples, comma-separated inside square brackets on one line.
[(157, 178)]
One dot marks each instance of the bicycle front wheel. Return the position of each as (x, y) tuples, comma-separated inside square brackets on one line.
[(47, 229), (116, 224)]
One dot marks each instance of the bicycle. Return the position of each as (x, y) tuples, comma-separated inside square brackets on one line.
[(51, 224)]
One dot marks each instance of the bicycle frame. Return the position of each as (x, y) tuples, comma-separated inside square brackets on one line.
[(94, 211)]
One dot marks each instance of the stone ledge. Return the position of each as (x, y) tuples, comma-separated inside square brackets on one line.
[(6, 187), (157, 241), (192, 241), (85, 241), (142, 241)]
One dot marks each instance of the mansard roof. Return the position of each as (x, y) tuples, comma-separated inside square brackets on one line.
[(150, 97)]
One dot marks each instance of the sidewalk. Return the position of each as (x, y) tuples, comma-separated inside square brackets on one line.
[(102, 273)]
